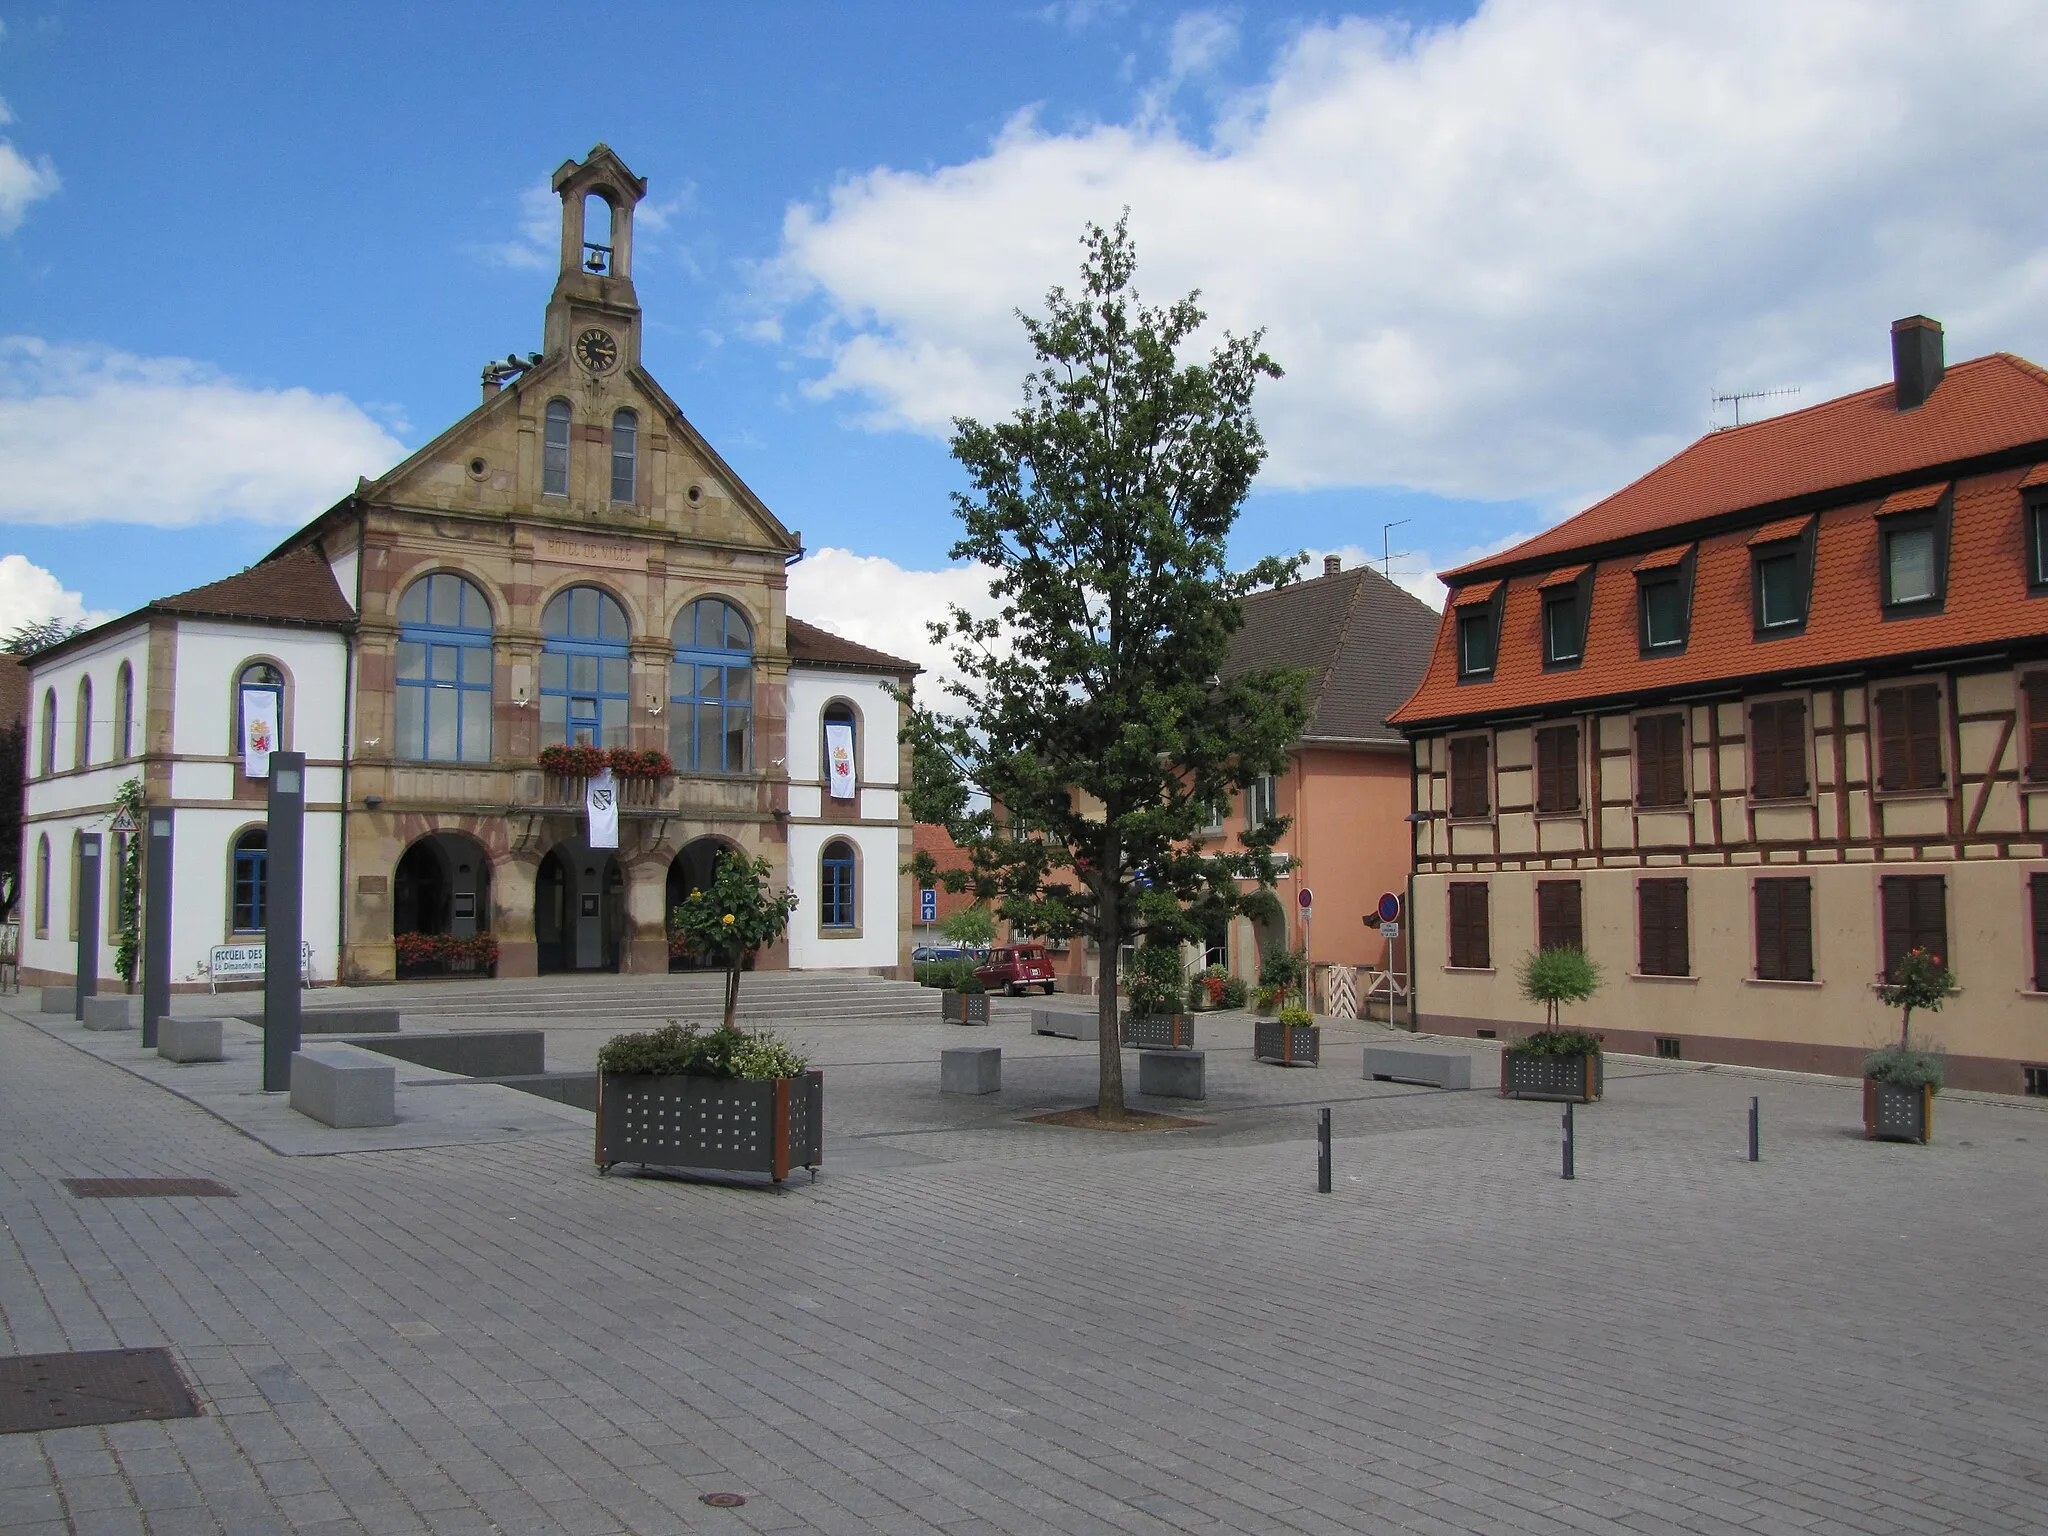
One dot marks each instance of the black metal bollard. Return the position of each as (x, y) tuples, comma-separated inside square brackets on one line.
[(1754, 1115), (1323, 1154), (1568, 1142)]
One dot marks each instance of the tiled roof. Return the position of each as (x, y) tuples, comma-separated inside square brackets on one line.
[(296, 587), (1980, 407), (1364, 640), (809, 643)]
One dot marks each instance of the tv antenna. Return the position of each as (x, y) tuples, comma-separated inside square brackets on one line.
[(1387, 548), (1739, 396)]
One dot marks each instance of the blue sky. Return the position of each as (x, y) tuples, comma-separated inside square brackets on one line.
[(1507, 254)]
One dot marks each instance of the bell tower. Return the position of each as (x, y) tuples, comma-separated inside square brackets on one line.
[(594, 311)]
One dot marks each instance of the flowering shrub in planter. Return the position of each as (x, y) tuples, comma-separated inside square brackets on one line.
[(582, 762), (446, 953), (726, 1099)]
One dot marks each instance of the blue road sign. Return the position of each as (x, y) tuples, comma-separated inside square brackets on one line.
[(927, 905)]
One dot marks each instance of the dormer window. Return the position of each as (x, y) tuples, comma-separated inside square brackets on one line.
[(1478, 633), (1909, 565), (1913, 549), (1781, 577), (1664, 601), (554, 452), (2037, 546), (1567, 599)]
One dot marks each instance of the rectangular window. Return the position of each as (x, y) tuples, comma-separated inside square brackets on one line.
[(1662, 601), (1777, 749), (1915, 917), (1562, 640), (1660, 760), (1665, 948), (1557, 769), (1261, 801), (2037, 894), (1558, 923), (1909, 738), (1909, 574), (1475, 642), (1778, 595), (2037, 545), (252, 874), (1471, 792), (2036, 689), (1784, 930), (1471, 933)]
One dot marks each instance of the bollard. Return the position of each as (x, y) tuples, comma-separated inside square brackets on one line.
[(1323, 1154), (1568, 1143), (1753, 1116)]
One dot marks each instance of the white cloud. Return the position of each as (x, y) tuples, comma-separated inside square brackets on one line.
[(22, 182), (29, 595), (876, 602), (537, 246), (92, 435), (1511, 257)]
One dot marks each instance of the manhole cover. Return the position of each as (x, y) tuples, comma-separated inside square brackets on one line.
[(143, 1189), (95, 1386), (723, 1500)]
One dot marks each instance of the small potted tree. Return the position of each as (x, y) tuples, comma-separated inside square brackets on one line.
[(678, 1098), (1294, 1039), (965, 998), (726, 921), (1157, 984), (1555, 1063), (1901, 1080)]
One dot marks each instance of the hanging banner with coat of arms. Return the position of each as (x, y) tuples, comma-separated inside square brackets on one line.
[(601, 802), (259, 730), (839, 759)]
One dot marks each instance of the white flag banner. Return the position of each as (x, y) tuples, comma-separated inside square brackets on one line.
[(601, 800), (839, 759), (259, 730)]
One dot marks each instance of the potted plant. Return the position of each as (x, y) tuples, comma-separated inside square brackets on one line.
[(1280, 978), (727, 920), (1154, 1021), (1901, 1080), (677, 1098), (965, 998), (1292, 1040), (1555, 1063)]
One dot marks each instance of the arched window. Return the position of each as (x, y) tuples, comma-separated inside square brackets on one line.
[(46, 747), (124, 712), (583, 670), (846, 738), (625, 446), (554, 451), (43, 886), (444, 672), (82, 755), (835, 885), (252, 881), (257, 677), (711, 688)]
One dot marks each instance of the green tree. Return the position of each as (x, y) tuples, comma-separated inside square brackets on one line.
[(1921, 981), (1077, 755), (1556, 976), (733, 916), (128, 920), (39, 635), (970, 925)]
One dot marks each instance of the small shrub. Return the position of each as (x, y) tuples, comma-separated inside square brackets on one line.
[(974, 926), (969, 982), (1156, 980), (949, 974), (1554, 977), (1559, 1042), (1920, 980), (682, 1050), (1267, 998), (1284, 968), (1235, 992), (1906, 1067), (1295, 1017)]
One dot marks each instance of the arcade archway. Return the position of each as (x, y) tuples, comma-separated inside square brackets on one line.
[(690, 870), (579, 909)]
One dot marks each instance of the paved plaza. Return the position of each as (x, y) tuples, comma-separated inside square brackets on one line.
[(970, 1323)]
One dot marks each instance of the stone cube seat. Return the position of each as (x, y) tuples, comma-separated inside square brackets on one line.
[(112, 1012), (60, 1000), (1434, 1069), (344, 1086), (1172, 1074), (184, 1040), (1066, 1023), (971, 1069)]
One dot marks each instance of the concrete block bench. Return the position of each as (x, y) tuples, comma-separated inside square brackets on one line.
[(113, 1012), (1172, 1074), (60, 999), (1435, 1069), (342, 1086), (1066, 1023), (971, 1069), (188, 1039), (339, 1021)]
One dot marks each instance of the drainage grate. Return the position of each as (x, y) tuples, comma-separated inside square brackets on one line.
[(95, 1386), (143, 1189)]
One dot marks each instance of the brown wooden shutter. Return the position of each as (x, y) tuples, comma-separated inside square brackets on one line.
[(1662, 920), (1896, 899), (1660, 760), (1557, 768), (2037, 725), (1792, 747), (1923, 736), (1469, 789), (1891, 746), (1770, 938), (1546, 771), (2038, 886), (1763, 752), (1558, 921), (1784, 930), (1672, 732), (1777, 749), (1930, 915), (1469, 936)]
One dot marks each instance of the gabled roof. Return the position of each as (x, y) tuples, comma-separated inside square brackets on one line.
[(296, 588), (812, 646), (1363, 639)]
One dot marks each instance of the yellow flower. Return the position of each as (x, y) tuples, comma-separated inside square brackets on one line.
[(728, 919)]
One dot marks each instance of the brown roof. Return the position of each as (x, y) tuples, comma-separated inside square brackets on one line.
[(1364, 640), (296, 587), (820, 647)]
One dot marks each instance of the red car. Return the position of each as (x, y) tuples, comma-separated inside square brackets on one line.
[(1017, 968)]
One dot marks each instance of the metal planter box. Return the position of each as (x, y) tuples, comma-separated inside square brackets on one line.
[(1287, 1045), (963, 1007), (702, 1122), (1158, 1032), (1895, 1112), (1530, 1075)]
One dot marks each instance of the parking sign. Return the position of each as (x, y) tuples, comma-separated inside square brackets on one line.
[(928, 905)]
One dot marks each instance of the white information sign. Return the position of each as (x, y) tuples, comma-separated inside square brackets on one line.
[(1390, 930), (839, 758), (259, 730), (601, 801)]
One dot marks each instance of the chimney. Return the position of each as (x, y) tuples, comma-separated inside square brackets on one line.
[(1916, 359), (1332, 564)]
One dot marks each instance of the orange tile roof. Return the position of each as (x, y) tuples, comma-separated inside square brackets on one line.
[(1784, 528), (1562, 577), (1661, 559), (1473, 592), (1918, 498)]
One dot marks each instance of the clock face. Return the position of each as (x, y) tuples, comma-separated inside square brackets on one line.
[(597, 351)]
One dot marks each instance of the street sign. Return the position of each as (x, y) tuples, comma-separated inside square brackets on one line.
[(928, 905), (1390, 930), (1390, 907), (123, 822), (1305, 898)]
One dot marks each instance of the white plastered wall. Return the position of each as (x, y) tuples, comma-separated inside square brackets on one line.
[(880, 884)]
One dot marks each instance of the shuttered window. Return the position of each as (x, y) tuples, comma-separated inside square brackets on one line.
[(2037, 725), (1909, 737), (1557, 915), (1915, 917), (1470, 792), (1784, 930), (1557, 768), (2037, 888), (1777, 749), (1471, 935), (1660, 911), (1660, 760)]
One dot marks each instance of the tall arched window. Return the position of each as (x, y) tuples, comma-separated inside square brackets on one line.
[(583, 670), (82, 747), (840, 713), (444, 672), (258, 676), (554, 451), (46, 746), (252, 881), (124, 712), (835, 885), (711, 688), (625, 448), (43, 886)]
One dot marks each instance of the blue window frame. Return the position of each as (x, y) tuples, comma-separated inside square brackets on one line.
[(711, 689), (252, 880), (444, 672), (554, 450), (835, 885), (584, 672)]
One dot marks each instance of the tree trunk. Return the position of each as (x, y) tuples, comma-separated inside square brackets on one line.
[(1109, 1100)]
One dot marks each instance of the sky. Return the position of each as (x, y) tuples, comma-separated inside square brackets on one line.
[(1507, 254)]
